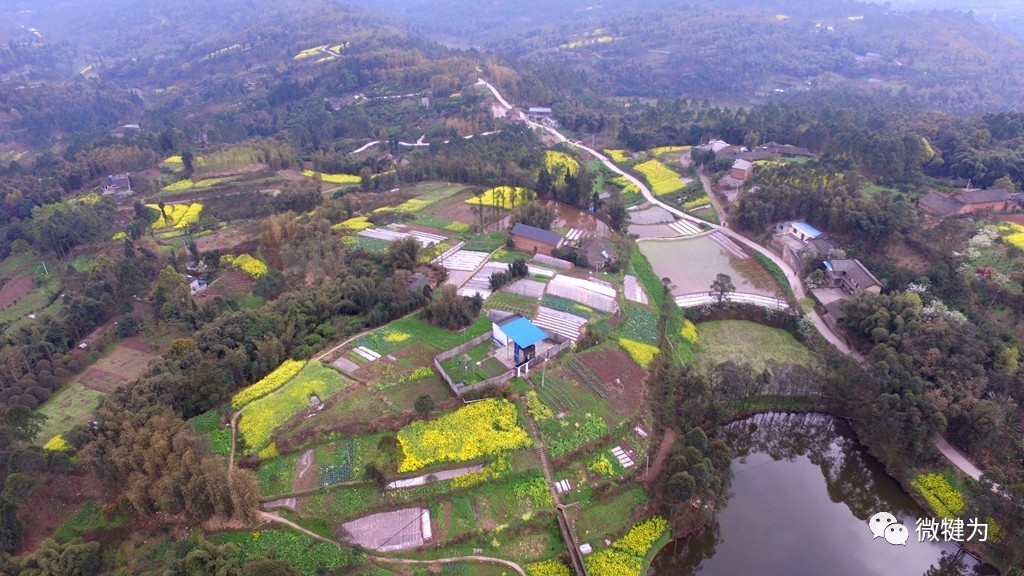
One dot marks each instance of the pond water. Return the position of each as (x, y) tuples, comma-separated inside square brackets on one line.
[(803, 490), (693, 263), (569, 217)]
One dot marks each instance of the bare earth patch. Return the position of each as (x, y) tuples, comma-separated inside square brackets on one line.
[(621, 376), (124, 364), (15, 289)]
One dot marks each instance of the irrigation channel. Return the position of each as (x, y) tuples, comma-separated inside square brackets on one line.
[(803, 492)]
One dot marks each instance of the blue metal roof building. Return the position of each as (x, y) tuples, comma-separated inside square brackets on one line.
[(523, 334)]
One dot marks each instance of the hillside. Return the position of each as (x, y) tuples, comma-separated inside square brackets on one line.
[(745, 51)]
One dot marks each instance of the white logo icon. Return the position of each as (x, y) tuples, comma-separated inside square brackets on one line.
[(897, 534), (879, 522)]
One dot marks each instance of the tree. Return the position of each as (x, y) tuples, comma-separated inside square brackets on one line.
[(270, 285), (1006, 183), (17, 488), (188, 161), (534, 214), (373, 474), (721, 288), (424, 404), (618, 214)]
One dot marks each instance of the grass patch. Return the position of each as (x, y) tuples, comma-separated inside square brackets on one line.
[(610, 515), (277, 474), (219, 437), (745, 342), (488, 242), (70, 406), (412, 329), (307, 555), (89, 519)]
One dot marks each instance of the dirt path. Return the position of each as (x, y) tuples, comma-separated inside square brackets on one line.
[(541, 450), (661, 455), (719, 209), (485, 559), (305, 463)]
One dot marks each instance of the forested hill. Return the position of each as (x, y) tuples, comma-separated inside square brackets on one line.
[(743, 51), (230, 70)]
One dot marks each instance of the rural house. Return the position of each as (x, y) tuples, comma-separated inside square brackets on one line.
[(118, 185), (850, 275), (195, 285), (535, 240), (799, 242), (742, 169), (967, 202)]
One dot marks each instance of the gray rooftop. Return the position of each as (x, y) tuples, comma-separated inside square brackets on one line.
[(855, 271), (537, 234)]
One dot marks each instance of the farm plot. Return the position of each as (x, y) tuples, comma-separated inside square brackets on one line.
[(262, 417), (663, 180), (503, 197), (622, 380), (488, 427), (12, 290), (126, 362), (276, 476), (600, 519), (337, 461), (209, 426), (413, 329), (507, 302)]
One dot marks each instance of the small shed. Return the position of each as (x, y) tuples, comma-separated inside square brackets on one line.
[(742, 169), (523, 334), (802, 231)]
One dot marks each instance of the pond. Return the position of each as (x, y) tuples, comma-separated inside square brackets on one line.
[(692, 264), (803, 490), (569, 217)]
